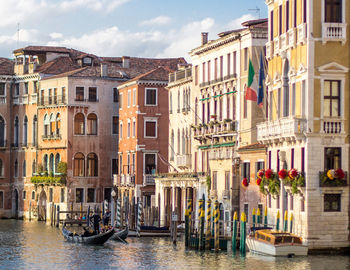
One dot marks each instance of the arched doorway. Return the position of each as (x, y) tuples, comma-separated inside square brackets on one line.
[(15, 204), (42, 206)]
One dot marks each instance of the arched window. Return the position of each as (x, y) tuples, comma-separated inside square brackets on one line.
[(51, 164), (24, 168), (172, 141), (92, 165), (16, 133), (178, 141), (46, 125), (52, 124), (33, 167), (79, 124), (25, 130), (1, 168), (58, 124), (79, 164), (2, 132), (57, 160), (92, 124), (16, 168), (34, 129), (46, 163)]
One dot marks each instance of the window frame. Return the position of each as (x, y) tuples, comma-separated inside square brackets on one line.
[(96, 94), (115, 94), (118, 131), (156, 102), (332, 97), (156, 129), (331, 209), (76, 88), (82, 195)]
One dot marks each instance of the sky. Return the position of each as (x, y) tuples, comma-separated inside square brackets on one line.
[(143, 28)]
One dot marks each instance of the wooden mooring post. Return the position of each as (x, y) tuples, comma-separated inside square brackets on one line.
[(58, 216)]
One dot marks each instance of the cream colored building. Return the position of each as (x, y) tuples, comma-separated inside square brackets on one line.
[(308, 115)]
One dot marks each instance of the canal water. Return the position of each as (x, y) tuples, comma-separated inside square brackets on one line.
[(33, 245)]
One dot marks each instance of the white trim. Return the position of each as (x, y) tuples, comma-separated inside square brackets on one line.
[(150, 119), (149, 88), (129, 98), (75, 93), (134, 97)]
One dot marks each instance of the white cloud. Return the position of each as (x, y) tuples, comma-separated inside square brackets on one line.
[(237, 23), (160, 20), (55, 35), (96, 5)]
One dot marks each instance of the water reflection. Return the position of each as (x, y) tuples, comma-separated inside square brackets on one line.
[(32, 245)]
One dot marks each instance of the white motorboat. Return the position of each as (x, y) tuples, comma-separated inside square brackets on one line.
[(275, 243)]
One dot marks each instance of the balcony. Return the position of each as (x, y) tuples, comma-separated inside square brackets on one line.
[(334, 32), (51, 137), (3, 144), (148, 180), (284, 42), (223, 128), (180, 75), (220, 154), (269, 50), (332, 126), (226, 194), (285, 128), (25, 99), (302, 33), (52, 101), (33, 98), (183, 161), (292, 38)]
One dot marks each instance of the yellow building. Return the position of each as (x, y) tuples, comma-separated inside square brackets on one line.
[(307, 126)]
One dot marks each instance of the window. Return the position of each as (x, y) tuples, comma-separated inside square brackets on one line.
[(221, 66), (62, 195), (91, 195), (92, 124), (79, 164), (151, 96), (92, 165), (50, 194), (120, 164), (245, 58), (133, 163), (295, 13), (227, 180), (203, 72), (293, 98), (1, 168), (92, 94), (304, 11), (129, 98), (215, 181), (1, 199), (215, 68), (79, 124), (287, 15), (46, 125), (24, 168), (245, 103), (332, 158), (115, 95), (228, 64), (172, 145), (63, 94), (333, 11), (24, 194), (246, 170), (52, 124), (16, 168), (107, 194), (25, 131), (16, 137), (286, 101), (57, 160), (58, 124), (114, 166), (55, 96), (331, 103), (170, 102), (134, 97), (25, 88), (79, 93), (2, 132), (151, 128), (2, 89), (50, 96), (128, 129), (258, 166), (133, 127), (279, 105), (121, 130), (51, 164), (115, 125), (33, 167), (196, 75), (120, 100), (280, 20), (17, 89), (79, 195), (332, 202), (33, 195), (46, 163), (150, 163)]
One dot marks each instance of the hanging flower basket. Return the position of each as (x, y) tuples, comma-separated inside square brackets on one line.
[(245, 182), (333, 178), (282, 174), (292, 173), (261, 173), (268, 173), (258, 181)]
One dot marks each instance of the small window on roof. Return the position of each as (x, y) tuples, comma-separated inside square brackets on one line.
[(87, 60)]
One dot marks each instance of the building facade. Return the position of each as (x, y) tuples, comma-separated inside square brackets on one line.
[(308, 120)]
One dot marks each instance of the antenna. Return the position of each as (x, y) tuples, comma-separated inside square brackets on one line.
[(17, 34), (256, 9)]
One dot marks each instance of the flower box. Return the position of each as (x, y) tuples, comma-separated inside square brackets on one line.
[(325, 181)]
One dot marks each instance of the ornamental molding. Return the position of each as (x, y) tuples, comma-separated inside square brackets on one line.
[(301, 69), (333, 67)]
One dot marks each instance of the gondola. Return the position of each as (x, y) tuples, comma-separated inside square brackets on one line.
[(98, 239), (120, 235)]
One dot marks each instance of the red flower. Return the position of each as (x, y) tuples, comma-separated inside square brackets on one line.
[(245, 182), (258, 181), (339, 173), (268, 173), (282, 174), (261, 173), (292, 173)]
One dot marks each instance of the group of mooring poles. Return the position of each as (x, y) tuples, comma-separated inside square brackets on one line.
[(203, 240)]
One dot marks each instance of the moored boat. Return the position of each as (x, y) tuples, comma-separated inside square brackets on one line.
[(120, 235), (275, 243), (97, 239)]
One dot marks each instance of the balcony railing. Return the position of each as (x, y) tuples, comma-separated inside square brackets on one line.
[(220, 154), (326, 182), (51, 137), (216, 128), (148, 180), (302, 33), (50, 101), (282, 128), (183, 160), (332, 126), (180, 75), (292, 37), (33, 98), (334, 32), (269, 49)]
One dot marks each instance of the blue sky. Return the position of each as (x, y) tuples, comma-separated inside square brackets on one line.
[(145, 28)]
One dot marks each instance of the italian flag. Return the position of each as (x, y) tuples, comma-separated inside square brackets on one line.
[(250, 93)]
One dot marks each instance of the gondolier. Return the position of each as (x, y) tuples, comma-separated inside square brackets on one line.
[(95, 219)]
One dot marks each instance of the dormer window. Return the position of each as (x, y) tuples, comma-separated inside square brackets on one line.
[(87, 60)]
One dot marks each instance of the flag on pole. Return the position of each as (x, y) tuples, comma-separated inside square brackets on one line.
[(250, 93), (261, 83)]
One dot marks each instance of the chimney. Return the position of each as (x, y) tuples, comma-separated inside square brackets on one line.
[(104, 70), (126, 61), (204, 38)]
